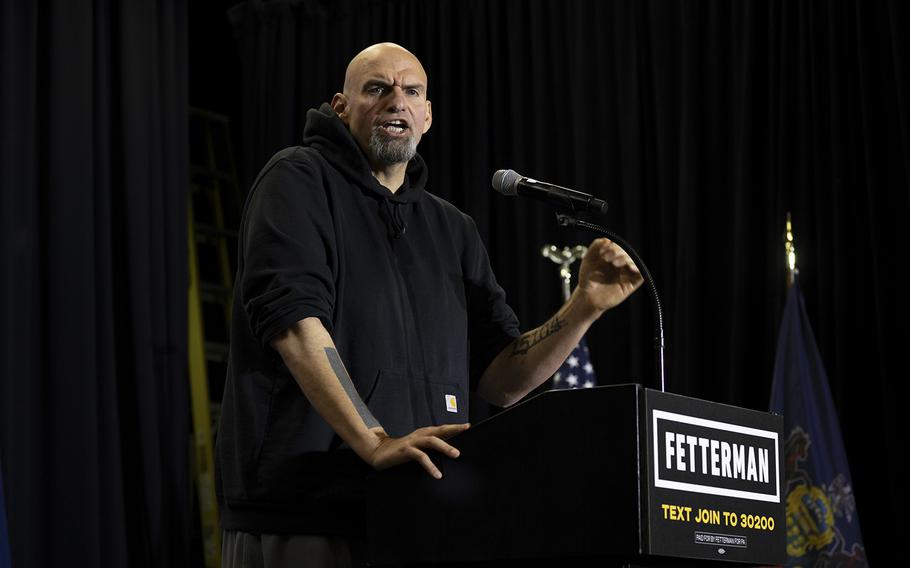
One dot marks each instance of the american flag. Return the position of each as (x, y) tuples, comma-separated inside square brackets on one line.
[(576, 372)]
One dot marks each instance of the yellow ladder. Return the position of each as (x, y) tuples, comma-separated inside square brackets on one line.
[(214, 214)]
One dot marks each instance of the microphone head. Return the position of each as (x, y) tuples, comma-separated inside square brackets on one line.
[(506, 182)]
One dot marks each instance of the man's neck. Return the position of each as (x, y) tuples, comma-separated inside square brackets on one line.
[(391, 176)]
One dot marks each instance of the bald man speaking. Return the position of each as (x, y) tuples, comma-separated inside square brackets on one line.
[(365, 311)]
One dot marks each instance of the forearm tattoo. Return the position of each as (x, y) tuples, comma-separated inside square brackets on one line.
[(345, 380), (524, 343)]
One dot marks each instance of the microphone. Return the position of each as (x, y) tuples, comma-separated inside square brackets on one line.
[(509, 182)]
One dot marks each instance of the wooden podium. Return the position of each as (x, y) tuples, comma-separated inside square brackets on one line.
[(609, 476)]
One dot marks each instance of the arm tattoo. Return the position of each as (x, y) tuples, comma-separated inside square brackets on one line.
[(345, 380), (524, 343)]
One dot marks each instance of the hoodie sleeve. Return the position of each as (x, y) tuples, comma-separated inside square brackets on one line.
[(288, 249), (492, 325)]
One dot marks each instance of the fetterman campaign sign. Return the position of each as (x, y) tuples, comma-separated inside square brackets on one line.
[(714, 480)]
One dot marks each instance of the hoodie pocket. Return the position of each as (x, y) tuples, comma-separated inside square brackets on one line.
[(402, 404)]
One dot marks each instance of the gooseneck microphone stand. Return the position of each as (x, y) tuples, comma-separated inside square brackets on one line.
[(570, 221)]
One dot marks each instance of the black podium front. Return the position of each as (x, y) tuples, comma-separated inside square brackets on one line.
[(612, 475)]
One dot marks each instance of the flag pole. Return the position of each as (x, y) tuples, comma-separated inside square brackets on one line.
[(790, 248), (576, 371), (564, 258)]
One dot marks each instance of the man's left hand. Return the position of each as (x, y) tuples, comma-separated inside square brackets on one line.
[(607, 275)]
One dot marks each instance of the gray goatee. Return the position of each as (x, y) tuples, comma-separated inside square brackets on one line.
[(389, 150)]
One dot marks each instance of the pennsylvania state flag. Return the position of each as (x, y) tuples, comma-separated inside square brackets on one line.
[(822, 524)]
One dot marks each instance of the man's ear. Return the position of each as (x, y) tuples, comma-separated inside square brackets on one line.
[(428, 120), (340, 106)]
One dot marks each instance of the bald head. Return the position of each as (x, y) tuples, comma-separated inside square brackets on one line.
[(380, 55), (384, 104)]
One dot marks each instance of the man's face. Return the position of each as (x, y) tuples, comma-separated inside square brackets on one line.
[(385, 104)]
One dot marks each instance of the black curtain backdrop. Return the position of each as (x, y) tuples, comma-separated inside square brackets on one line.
[(702, 123), (93, 386)]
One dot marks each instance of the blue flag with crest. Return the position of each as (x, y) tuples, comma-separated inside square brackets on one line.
[(822, 522)]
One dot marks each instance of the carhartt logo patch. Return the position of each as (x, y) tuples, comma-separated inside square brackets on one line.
[(451, 403)]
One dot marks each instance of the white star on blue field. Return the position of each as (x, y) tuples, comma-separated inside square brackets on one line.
[(577, 371)]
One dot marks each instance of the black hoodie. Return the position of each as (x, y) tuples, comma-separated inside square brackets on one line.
[(402, 283)]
